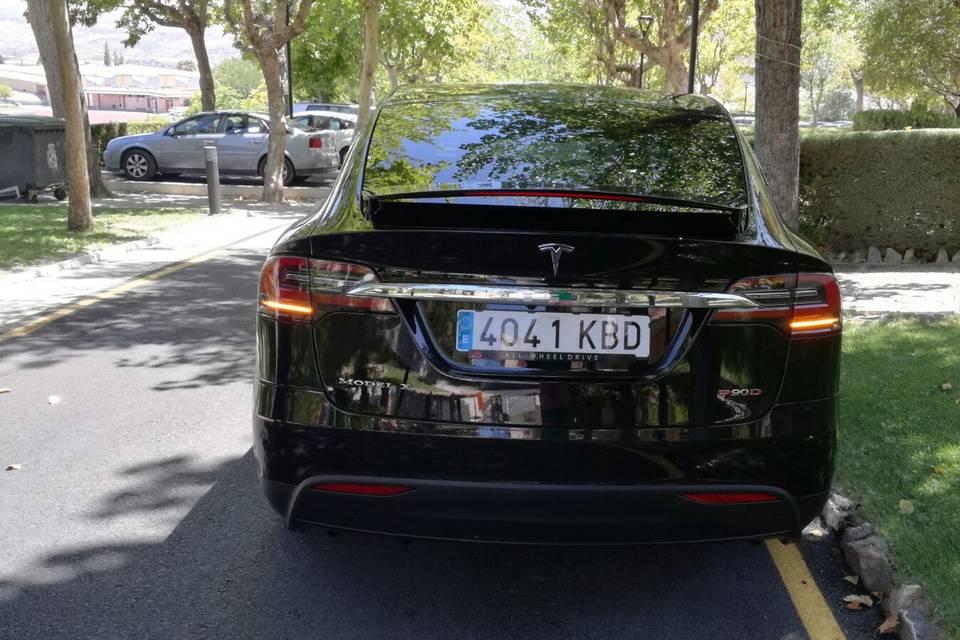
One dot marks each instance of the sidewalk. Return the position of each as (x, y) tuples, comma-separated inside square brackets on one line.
[(25, 294), (916, 291)]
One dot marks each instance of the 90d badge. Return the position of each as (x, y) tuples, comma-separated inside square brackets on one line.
[(723, 394)]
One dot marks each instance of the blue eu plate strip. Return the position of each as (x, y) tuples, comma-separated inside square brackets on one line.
[(464, 330)]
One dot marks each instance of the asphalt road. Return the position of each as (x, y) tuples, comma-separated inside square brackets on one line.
[(136, 512)]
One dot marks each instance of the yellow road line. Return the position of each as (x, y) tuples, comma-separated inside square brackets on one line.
[(73, 307), (815, 614)]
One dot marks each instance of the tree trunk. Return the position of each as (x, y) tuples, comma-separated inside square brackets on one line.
[(208, 95), (80, 217), (675, 78), (371, 10), (394, 74), (277, 142), (857, 76), (778, 102), (42, 27)]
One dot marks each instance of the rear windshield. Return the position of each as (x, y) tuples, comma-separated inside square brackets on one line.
[(556, 142)]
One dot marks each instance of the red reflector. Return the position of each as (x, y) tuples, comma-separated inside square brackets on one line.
[(361, 489), (316, 142), (730, 498)]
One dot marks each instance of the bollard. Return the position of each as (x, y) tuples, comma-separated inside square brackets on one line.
[(213, 179)]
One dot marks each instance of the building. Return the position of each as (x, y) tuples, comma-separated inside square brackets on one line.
[(125, 87)]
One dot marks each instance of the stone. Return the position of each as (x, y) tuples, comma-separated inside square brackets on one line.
[(913, 626), (905, 597), (943, 257), (835, 511), (868, 559), (874, 257), (852, 534), (909, 257), (892, 257), (857, 257)]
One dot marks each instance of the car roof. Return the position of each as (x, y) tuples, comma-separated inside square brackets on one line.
[(551, 91), (331, 114)]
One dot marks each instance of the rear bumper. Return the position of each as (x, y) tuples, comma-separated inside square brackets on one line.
[(545, 485), (543, 514)]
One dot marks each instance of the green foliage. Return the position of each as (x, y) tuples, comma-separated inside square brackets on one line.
[(150, 125), (327, 55), (913, 46), (885, 189), (239, 75), (5, 92), (886, 119)]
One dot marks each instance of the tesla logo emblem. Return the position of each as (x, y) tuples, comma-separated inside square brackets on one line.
[(556, 250)]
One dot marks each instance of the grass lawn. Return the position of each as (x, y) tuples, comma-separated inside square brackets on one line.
[(900, 439), (35, 234)]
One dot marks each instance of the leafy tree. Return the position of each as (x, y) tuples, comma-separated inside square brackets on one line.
[(107, 60), (140, 17), (725, 40), (5, 92), (327, 55), (238, 75), (187, 65), (262, 28), (117, 58), (910, 47), (418, 38)]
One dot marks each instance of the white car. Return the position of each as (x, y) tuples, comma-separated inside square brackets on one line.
[(340, 125)]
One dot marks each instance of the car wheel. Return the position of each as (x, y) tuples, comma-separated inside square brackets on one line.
[(138, 165), (289, 175), (60, 193)]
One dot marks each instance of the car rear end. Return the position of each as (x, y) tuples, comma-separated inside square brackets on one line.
[(548, 315), (311, 151)]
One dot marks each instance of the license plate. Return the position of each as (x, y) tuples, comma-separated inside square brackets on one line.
[(559, 333)]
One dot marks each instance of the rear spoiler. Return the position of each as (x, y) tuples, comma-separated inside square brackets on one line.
[(717, 223)]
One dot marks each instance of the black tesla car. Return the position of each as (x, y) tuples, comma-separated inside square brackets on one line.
[(547, 314)]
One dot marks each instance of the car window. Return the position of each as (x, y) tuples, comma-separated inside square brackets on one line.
[(581, 142), (304, 121), (235, 123), (200, 125), (345, 124)]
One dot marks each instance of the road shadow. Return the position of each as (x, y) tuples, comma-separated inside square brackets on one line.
[(203, 317), (231, 570)]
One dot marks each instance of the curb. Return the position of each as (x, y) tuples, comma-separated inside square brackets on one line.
[(865, 552), (248, 192), (927, 267), (81, 260)]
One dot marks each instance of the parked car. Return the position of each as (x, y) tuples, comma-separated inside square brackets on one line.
[(548, 314), (241, 141), (326, 106), (341, 125)]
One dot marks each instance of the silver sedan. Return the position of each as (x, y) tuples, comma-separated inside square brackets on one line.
[(241, 141)]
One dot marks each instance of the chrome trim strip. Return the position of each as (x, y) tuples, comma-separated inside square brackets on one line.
[(551, 296)]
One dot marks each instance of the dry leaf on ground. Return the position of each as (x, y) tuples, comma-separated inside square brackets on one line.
[(906, 506), (856, 598), (852, 579), (54, 399), (13, 467), (4, 390), (889, 625), (854, 606), (946, 386), (937, 469)]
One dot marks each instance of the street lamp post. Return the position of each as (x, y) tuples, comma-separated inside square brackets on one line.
[(695, 32), (645, 22)]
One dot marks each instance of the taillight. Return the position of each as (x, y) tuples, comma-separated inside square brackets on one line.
[(805, 304), (725, 497), (316, 142), (300, 289)]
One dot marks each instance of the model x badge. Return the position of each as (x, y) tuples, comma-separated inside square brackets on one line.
[(556, 250)]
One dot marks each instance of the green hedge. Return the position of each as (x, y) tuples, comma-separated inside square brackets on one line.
[(104, 133), (895, 189), (887, 119)]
